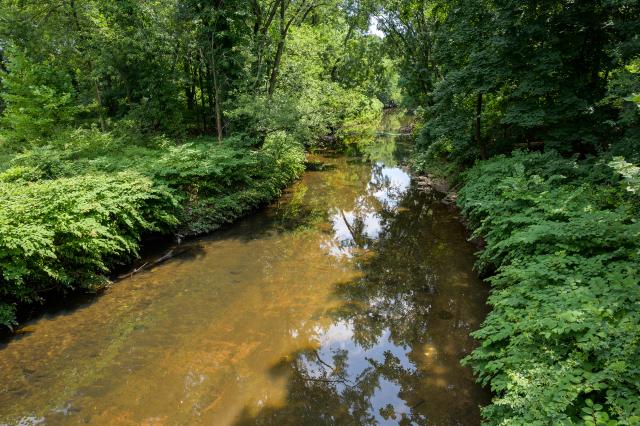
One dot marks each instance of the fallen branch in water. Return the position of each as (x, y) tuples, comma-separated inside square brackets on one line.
[(140, 268), (168, 255)]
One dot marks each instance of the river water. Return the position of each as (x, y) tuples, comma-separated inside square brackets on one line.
[(348, 301)]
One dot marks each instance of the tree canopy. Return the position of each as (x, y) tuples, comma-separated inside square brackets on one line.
[(491, 75)]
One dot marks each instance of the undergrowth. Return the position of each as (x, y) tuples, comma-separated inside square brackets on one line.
[(561, 344)]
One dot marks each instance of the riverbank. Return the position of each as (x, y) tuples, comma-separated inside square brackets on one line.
[(560, 343), (71, 215), (77, 207)]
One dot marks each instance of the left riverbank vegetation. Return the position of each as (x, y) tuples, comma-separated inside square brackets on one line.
[(532, 107), (120, 119)]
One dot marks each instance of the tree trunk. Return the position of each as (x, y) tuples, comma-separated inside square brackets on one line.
[(189, 87), (279, 51), (202, 100), (209, 84), (260, 31), (483, 148), (258, 68), (103, 123), (216, 92), (276, 66), (300, 14)]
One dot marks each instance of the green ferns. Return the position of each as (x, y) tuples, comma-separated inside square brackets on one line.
[(219, 185), (561, 344)]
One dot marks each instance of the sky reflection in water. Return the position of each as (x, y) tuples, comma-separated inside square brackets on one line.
[(385, 190)]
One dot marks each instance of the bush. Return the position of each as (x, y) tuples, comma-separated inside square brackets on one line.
[(220, 183), (561, 343), (66, 233)]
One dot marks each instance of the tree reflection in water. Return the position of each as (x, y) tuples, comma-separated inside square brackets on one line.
[(391, 351)]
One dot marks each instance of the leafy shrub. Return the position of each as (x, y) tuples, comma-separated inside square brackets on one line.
[(283, 153), (65, 233), (561, 344), (219, 183)]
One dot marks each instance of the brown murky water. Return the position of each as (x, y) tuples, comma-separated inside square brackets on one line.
[(350, 301)]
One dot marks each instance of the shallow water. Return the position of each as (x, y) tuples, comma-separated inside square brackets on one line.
[(349, 301)]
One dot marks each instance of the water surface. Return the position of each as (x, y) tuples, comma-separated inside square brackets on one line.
[(349, 301)]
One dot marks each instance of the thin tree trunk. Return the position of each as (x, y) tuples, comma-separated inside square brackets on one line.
[(218, 108), (258, 68), (279, 51), (103, 123), (483, 149), (276, 65), (202, 100), (260, 31), (189, 87), (209, 84), (216, 92)]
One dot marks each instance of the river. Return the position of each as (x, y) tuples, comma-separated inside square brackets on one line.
[(348, 301)]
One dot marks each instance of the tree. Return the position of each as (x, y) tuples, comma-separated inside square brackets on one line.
[(499, 73), (39, 99)]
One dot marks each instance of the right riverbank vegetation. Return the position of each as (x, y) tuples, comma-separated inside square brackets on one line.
[(532, 108), (176, 116)]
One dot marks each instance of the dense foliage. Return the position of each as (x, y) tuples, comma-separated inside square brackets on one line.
[(562, 236), (184, 67), (68, 231), (175, 116), (123, 118), (69, 215), (493, 75)]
